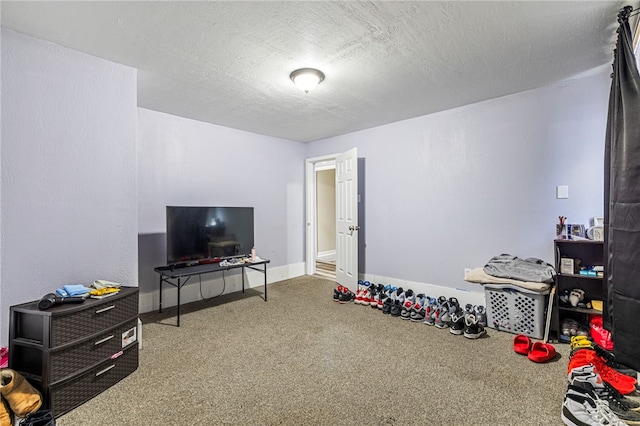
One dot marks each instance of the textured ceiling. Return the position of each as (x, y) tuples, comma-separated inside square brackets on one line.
[(228, 63)]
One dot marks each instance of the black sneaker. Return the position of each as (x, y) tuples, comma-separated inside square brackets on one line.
[(612, 411), (386, 306), (375, 301), (383, 297), (472, 329), (346, 296), (620, 405), (336, 293), (481, 315), (396, 308), (457, 323)]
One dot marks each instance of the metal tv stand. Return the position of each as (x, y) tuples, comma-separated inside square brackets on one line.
[(179, 276)]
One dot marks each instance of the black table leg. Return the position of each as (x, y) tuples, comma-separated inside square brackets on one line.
[(160, 310), (179, 287), (265, 282)]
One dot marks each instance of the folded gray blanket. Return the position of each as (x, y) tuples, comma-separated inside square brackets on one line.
[(530, 269)]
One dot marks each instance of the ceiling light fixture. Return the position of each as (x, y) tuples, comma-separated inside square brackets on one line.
[(307, 78)]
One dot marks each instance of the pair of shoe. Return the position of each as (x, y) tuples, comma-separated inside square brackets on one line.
[(576, 296), (598, 332), (418, 311), (473, 329), (481, 314), (431, 305), (458, 323), (363, 295), (370, 295), (398, 298), (571, 327), (610, 360), (342, 294), (17, 397), (588, 357), (445, 310), (582, 407), (407, 305), (627, 409), (536, 352)]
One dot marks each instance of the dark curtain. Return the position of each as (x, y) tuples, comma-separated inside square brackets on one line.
[(622, 201)]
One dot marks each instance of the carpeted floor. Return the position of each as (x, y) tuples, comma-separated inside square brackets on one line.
[(301, 359)]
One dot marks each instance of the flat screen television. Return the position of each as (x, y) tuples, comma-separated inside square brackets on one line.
[(196, 233)]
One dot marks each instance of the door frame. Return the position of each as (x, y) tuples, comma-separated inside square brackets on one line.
[(311, 220)]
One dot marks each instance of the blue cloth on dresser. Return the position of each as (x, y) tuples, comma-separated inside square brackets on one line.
[(75, 289)]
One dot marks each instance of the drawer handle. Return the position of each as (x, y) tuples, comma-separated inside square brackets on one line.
[(108, 308), (101, 372), (104, 340)]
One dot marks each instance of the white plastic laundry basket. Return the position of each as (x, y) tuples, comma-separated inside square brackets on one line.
[(515, 310)]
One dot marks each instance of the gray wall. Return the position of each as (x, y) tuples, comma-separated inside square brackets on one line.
[(68, 212), (450, 190), (191, 163)]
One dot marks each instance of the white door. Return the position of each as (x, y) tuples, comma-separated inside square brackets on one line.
[(347, 219)]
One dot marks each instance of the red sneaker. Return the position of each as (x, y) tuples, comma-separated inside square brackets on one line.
[(601, 336), (623, 384)]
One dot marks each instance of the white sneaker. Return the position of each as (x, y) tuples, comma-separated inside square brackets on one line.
[(582, 408), (472, 329), (576, 296), (585, 370)]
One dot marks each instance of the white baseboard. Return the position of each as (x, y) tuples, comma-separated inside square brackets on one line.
[(214, 285), (233, 282), (464, 296)]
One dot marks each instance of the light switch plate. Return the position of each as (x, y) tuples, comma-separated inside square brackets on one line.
[(562, 191)]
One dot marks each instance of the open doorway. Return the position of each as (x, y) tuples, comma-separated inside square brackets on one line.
[(325, 228), (321, 216), (347, 215)]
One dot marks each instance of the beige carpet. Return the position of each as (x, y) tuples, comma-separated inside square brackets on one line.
[(302, 359)]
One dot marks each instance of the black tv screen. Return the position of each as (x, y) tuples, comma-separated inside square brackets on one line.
[(195, 233)]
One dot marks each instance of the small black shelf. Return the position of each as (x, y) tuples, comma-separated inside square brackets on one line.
[(586, 277), (581, 310), (590, 253)]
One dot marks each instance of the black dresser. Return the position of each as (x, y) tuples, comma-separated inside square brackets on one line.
[(73, 352)]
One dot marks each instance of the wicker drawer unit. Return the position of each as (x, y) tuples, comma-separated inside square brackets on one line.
[(73, 352), (67, 395)]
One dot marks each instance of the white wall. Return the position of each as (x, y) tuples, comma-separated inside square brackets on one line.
[(68, 187), (442, 192), (450, 190), (188, 162)]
